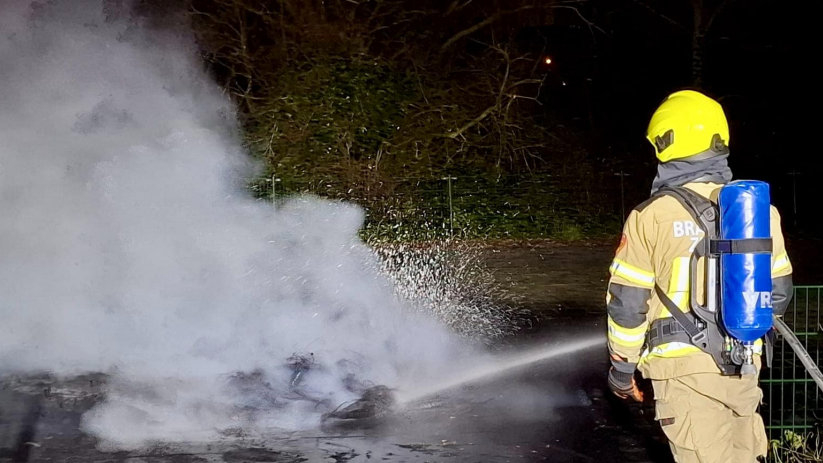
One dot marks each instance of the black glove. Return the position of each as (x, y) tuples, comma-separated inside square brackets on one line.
[(621, 379), (621, 383)]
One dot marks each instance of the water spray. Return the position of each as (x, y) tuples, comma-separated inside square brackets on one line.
[(498, 367)]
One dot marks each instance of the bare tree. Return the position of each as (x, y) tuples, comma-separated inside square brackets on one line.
[(703, 17)]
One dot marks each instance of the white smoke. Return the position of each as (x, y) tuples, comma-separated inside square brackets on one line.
[(129, 246)]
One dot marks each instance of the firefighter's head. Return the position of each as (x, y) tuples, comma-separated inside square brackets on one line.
[(686, 124)]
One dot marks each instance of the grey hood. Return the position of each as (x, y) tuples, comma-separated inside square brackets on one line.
[(705, 167)]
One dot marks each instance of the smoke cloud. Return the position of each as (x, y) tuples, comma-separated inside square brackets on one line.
[(129, 246)]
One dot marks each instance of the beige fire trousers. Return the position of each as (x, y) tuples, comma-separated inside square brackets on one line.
[(709, 418)]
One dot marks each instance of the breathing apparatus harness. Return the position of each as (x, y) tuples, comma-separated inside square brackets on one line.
[(704, 326)]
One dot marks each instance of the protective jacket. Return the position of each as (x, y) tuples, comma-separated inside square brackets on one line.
[(655, 248)]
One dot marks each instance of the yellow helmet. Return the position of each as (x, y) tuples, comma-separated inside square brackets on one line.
[(687, 123)]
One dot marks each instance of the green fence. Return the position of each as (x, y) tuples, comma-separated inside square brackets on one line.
[(792, 400), (573, 201), (563, 205)]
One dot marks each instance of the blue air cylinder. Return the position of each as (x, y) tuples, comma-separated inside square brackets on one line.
[(746, 278)]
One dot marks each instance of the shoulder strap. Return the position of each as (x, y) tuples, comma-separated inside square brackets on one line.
[(702, 210), (705, 214), (696, 334)]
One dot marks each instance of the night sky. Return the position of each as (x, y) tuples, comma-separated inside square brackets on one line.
[(756, 63)]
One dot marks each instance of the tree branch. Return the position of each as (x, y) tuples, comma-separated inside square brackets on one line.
[(471, 123), (661, 15)]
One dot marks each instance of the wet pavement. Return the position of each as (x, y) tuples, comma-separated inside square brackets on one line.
[(550, 278), (556, 410)]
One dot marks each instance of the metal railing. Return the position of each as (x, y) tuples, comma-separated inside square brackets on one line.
[(792, 401)]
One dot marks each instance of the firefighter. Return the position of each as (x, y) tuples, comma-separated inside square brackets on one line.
[(707, 416)]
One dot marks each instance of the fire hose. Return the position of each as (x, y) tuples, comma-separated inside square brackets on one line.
[(802, 353)]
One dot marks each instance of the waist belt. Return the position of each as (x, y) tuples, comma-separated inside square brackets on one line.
[(666, 330)]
